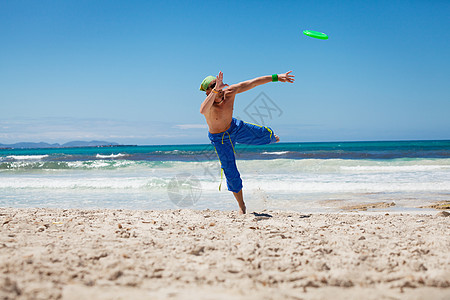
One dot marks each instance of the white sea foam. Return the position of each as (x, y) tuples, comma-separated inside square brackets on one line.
[(317, 185), (27, 157), (294, 166), (302, 187), (111, 155), (288, 181), (71, 183), (276, 153), (412, 168), (288, 167)]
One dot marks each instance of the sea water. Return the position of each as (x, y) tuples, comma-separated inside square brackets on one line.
[(307, 177)]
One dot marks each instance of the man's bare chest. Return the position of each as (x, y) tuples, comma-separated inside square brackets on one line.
[(220, 109)]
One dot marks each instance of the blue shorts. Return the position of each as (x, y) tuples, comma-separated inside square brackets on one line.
[(243, 133)]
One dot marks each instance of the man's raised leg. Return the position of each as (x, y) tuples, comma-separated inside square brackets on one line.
[(240, 199)]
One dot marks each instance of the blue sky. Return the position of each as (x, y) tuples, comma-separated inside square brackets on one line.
[(129, 71)]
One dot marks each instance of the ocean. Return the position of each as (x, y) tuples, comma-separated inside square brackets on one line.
[(305, 177)]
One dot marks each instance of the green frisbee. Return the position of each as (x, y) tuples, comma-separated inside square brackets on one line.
[(316, 34)]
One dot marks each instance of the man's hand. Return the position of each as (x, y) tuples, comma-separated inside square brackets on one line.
[(249, 84), (219, 82), (286, 77)]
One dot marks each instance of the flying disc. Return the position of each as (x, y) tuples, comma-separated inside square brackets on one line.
[(316, 34)]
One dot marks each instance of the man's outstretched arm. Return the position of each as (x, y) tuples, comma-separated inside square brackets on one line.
[(249, 84)]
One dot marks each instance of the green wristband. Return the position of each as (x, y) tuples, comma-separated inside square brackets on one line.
[(274, 77)]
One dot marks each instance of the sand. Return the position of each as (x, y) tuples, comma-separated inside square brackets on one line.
[(188, 254)]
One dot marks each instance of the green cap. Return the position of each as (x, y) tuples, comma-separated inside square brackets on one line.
[(206, 82)]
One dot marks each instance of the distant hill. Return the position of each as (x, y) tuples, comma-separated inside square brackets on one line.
[(24, 145)]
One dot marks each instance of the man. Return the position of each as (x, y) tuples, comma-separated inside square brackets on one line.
[(225, 131)]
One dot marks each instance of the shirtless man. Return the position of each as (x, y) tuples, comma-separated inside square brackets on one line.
[(225, 131)]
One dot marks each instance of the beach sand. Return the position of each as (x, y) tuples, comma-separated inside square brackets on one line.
[(189, 254)]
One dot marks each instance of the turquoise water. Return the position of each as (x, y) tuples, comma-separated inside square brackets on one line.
[(345, 150), (294, 176)]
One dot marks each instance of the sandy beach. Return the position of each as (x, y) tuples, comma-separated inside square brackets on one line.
[(189, 254)]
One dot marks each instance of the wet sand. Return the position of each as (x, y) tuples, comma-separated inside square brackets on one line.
[(188, 254)]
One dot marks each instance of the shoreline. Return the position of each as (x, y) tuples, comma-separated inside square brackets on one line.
[(351, 207), (208, 254)]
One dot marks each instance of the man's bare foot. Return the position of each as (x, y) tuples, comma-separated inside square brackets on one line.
[(242, 210), (278, 139)]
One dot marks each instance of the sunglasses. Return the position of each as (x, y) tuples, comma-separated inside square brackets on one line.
[(212, 85)]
